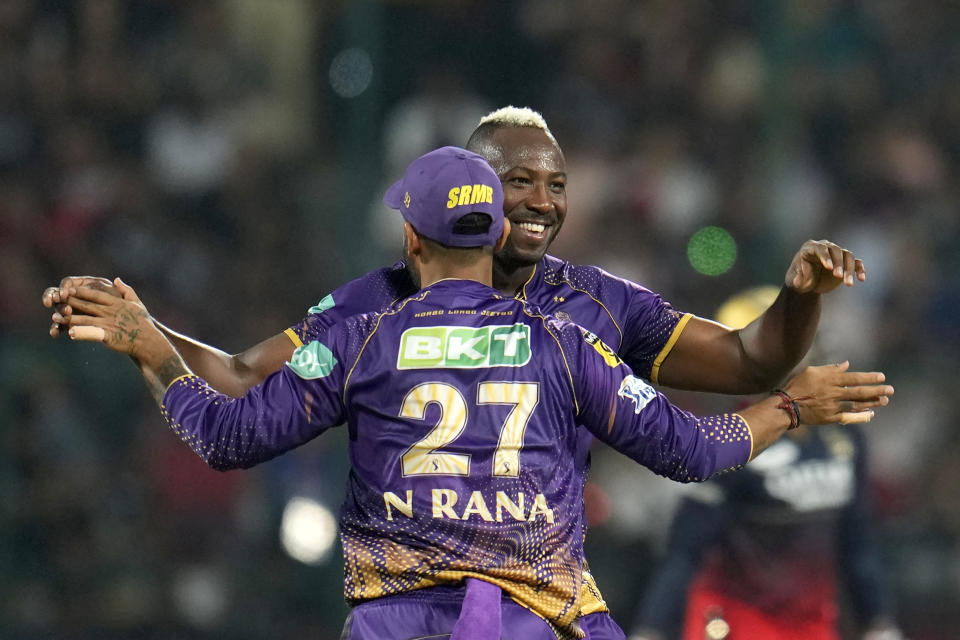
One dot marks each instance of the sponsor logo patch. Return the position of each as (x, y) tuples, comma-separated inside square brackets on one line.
[(635, 389), (313, 360), (609, 355), (464, 347)]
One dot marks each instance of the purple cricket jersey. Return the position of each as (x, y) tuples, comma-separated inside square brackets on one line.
[(463, 410), (636, 322), (639, 324)]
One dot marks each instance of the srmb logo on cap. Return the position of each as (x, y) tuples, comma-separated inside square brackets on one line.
[(464, 347), (469, 194)]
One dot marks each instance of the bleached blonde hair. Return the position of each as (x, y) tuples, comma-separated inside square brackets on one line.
[(511, 116), (505, 117)]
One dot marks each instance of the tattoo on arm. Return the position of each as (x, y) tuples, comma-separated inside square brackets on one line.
[(129, 325), (159, 379)]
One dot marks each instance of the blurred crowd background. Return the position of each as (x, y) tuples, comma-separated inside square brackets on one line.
[(227, 159)]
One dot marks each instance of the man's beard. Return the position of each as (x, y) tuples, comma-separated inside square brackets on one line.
[(408, 265)]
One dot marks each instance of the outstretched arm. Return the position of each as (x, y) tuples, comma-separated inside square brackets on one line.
[(232, 374), (632, 417), (281, 413), (711, 357)]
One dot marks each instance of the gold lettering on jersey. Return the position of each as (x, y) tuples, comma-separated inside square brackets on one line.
[(391, 499), (469, 194), (477, 505), (513, 508), (443, 504), (540, 506), (460, 312), (443, 501)]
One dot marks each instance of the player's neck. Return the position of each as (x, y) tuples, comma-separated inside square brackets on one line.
[(510, 278), (481, 271)]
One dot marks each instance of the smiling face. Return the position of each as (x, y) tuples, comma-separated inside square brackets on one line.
[(533, 172)]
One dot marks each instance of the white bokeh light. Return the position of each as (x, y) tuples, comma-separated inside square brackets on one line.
[(307, 530)]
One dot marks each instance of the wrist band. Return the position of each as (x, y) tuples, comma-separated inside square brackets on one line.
[(789, 405)]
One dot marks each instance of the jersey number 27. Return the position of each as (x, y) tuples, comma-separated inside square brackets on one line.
[(423, 457)]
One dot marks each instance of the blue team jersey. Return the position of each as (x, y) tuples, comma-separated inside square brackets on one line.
[(463, 409)]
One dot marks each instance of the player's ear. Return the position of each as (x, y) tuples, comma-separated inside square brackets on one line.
[(411, 241), (504, 235)]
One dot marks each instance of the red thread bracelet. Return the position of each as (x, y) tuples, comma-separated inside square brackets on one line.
[(789, 405)]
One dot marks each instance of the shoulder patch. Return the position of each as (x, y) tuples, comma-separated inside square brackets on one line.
[(312, 361), (323, 305), (633, 388), (609, 355)]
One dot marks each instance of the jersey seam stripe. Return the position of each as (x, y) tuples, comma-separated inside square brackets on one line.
[(294, 338), (389, 312), (573, 391), (667, 348), (590, 295), (523, 289), (178, 379)]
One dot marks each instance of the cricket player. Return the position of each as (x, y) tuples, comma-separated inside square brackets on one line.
[(464, 408), (659, 343)]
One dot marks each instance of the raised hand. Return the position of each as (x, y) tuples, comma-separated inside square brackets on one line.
[(55, 298), (830, 393), (115, 317), (118, 319), (820, 266)]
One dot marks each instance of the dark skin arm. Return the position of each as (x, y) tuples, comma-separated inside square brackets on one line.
[(237, 373), (707, 356), (711, 357), (232, 374), (824, 395)]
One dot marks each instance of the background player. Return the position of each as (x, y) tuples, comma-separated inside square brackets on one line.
[(489, 394), (660, 344), (779, 545)]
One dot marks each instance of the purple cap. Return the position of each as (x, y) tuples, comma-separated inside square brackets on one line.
[(441, 187)]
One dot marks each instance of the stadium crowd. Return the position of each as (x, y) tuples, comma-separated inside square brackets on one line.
[(227, 159)]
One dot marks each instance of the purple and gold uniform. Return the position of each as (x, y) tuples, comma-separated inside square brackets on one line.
[(639, 325), (463, 410)]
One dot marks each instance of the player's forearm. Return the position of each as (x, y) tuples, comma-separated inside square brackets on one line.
[(767, 423), (158, 378), (774, 343), (677, 444), (159, 363), (233, 375), (230, 433)]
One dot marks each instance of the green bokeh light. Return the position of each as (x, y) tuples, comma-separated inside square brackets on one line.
[(712, 251)]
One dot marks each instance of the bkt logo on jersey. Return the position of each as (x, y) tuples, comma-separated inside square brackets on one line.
[(633, 388), (464, 347)]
